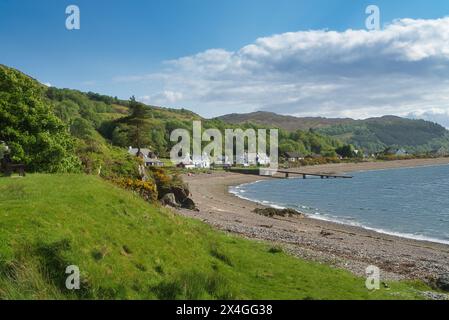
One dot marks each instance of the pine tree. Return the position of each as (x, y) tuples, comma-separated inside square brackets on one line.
[(136, 118)]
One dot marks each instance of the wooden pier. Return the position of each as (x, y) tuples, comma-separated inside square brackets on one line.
[(304, 175), (273, 173)]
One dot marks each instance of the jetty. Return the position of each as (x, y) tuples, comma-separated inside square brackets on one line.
[(304, 175), (273, 173), (287, 174)]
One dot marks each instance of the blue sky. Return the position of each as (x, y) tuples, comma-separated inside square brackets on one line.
[(123, 47)]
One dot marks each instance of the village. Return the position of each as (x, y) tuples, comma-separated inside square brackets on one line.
[(287, 159)]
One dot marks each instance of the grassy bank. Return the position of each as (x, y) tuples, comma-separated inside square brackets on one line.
[(128, 249)]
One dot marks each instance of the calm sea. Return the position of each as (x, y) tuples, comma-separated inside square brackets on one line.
[(410, 202)]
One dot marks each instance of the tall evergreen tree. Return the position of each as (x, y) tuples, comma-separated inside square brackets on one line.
[(136, 119)]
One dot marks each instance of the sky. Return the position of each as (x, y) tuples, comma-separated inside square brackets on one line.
[(303, 58)]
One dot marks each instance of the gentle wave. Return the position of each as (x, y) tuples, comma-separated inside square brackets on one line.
[(238, 190)]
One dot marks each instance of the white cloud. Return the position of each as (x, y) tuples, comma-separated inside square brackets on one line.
[(165, 98), (400, 70), (440, 116)]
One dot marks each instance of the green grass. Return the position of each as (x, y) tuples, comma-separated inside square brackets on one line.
[(128, 249)]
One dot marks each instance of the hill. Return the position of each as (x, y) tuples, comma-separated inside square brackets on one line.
[(373, 135), (108, 117), (101, 131), (288, 123), (376, 134), (63, 130), (126, 248)]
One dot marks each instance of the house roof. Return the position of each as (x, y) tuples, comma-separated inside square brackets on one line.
[(134, 151), (315, 155), (293, 155), (396, 150), (148, 155)]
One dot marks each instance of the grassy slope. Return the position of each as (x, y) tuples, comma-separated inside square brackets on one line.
[(126, 248)]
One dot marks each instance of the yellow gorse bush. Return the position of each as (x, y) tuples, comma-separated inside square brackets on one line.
[(146, 189)]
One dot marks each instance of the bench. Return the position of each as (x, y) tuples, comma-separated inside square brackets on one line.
[(8, 169)]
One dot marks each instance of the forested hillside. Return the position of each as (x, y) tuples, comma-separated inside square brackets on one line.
[(95, 129), (377, 134), (110, 118), (288, 123), (89, 131), (371, 135)]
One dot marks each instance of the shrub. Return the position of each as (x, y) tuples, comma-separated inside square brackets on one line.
[(146, 189), (162, 179), (276, 249), (169, 184)]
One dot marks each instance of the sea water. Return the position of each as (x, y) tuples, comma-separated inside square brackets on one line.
[(408, 202)]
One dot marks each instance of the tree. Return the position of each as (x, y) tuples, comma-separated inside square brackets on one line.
[(138, 112), (35, 136), (346, 151)]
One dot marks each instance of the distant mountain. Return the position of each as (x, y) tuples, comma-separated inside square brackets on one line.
[(372, 135), (288, 123)]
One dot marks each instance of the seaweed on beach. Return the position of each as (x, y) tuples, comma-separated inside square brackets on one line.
[(272, 212)]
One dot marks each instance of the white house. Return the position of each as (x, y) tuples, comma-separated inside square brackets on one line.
[(248, 159), (186, 162), (222, 160), (252, 159), (294, 156), (149, 157), (202, 162), (401, 152), (263, 159)]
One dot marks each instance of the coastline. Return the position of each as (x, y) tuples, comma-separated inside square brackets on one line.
[(234, 190), (344, 246)]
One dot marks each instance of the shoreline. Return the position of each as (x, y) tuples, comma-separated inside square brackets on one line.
[(341, 245), (335, 220)]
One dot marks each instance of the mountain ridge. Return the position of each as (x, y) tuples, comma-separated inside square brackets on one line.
[(287, 122), (373, 135)]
